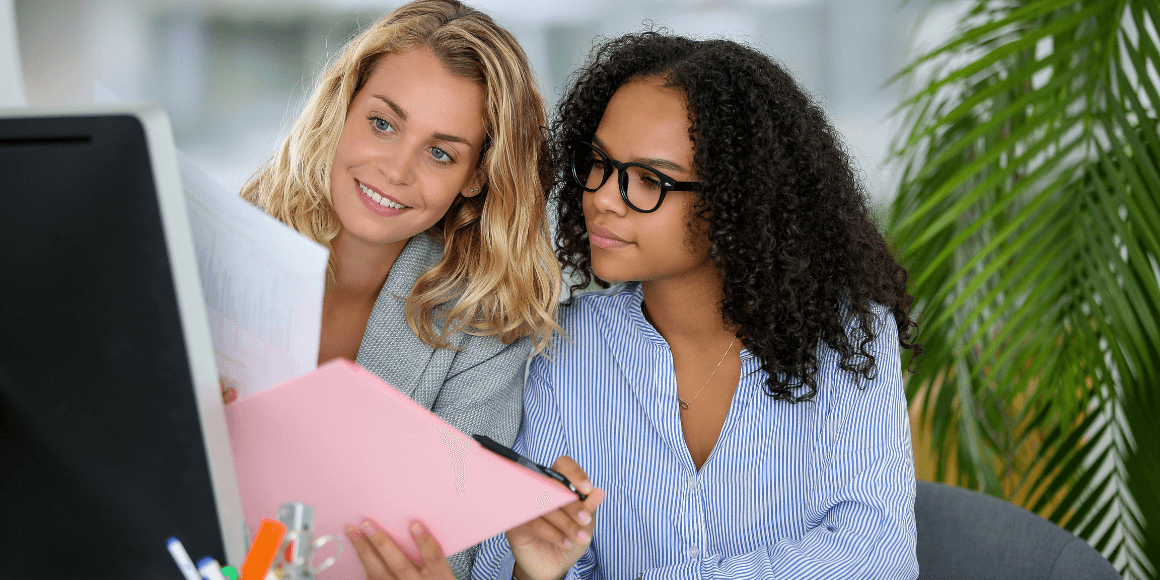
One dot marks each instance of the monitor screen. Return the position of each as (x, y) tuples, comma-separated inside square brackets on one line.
[(104, 451)]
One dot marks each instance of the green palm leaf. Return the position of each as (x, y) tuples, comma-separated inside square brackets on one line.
[(1029, 216)]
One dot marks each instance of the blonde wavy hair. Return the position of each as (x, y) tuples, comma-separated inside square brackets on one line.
[(497, 265)]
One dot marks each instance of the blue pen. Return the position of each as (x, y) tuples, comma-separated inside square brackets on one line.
[(182, 558), (209, 568)]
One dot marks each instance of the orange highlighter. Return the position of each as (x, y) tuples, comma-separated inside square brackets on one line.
[(263, 549)]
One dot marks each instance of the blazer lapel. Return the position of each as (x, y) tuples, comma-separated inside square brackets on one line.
[(389, 348)]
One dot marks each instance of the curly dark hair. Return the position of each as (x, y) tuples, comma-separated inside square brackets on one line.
[(787, 217)]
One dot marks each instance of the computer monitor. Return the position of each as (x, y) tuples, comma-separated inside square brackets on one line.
[(112, 432)]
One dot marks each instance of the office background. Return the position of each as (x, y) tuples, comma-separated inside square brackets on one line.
[(232, 74)]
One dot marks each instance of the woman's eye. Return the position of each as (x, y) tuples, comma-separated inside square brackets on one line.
[(382, 125), (650, 182), (440, 155)]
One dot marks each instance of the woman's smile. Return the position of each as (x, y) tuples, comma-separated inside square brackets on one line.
[(379, 202)]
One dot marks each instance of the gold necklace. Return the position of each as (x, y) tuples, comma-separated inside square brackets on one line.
[(685, 405)]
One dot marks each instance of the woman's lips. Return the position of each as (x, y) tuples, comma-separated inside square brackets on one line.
[(605, 238), (373, 200)]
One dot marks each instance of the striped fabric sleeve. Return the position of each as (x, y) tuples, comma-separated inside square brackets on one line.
[(541, 439), (584, 567), (864, 525)]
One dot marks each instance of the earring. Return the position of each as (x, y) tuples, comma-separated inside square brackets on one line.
[(474, 189)]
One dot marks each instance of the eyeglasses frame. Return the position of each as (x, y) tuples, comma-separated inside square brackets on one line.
[(667, 183)]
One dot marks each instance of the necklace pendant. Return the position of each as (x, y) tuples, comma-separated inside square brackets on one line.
[(684, 405)]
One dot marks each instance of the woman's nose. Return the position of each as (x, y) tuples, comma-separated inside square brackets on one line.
[(397, 166), (606, 198)]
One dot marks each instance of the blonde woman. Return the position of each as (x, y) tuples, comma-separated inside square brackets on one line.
[(419, 162)]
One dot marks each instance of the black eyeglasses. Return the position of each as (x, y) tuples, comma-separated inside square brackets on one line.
[(641, 187)]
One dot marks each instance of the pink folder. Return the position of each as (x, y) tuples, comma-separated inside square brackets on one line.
[(348, 444)]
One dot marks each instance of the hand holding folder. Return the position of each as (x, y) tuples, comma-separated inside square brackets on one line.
[(352, 446)]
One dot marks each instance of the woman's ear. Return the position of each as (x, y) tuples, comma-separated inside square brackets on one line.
[(476, 186)]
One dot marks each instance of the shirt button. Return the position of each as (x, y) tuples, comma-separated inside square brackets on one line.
[(692, 482), (694, 551)]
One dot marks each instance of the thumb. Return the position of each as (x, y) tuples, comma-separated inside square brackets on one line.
[(568, 467)]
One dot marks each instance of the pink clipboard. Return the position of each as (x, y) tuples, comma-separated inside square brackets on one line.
[(350, 445)]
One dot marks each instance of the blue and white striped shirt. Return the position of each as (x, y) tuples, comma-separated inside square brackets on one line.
[(822, 489)]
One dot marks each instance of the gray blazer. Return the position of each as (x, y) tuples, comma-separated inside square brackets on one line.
[(478, 388)]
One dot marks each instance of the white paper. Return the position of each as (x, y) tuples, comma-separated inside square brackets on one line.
[(263, 285), (11, 73)]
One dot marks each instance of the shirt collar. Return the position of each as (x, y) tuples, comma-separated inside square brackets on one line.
[(649, 332), (636, 313)]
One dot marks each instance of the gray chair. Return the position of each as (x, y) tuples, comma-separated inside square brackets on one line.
[(964, 534)]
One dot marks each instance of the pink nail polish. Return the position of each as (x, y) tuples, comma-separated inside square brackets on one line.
[(583, 517), (416, 529), (582, 536)]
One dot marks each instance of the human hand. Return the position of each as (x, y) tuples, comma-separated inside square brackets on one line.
[(548, 546), (381, 559)]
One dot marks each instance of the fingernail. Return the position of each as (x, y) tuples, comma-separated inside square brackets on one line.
[(583, 517), (583, 536), (367, 527), (567, 543), (416, 529), (352, 532), (585, 487)]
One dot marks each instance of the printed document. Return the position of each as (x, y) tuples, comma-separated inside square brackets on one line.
[(263, 285)]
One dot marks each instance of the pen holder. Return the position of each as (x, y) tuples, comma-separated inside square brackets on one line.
[(295, 558)]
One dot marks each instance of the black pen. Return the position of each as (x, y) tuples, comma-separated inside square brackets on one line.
[(491, 445)]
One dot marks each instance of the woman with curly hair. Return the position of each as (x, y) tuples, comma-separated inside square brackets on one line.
[(735, 398), (420, 162)]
